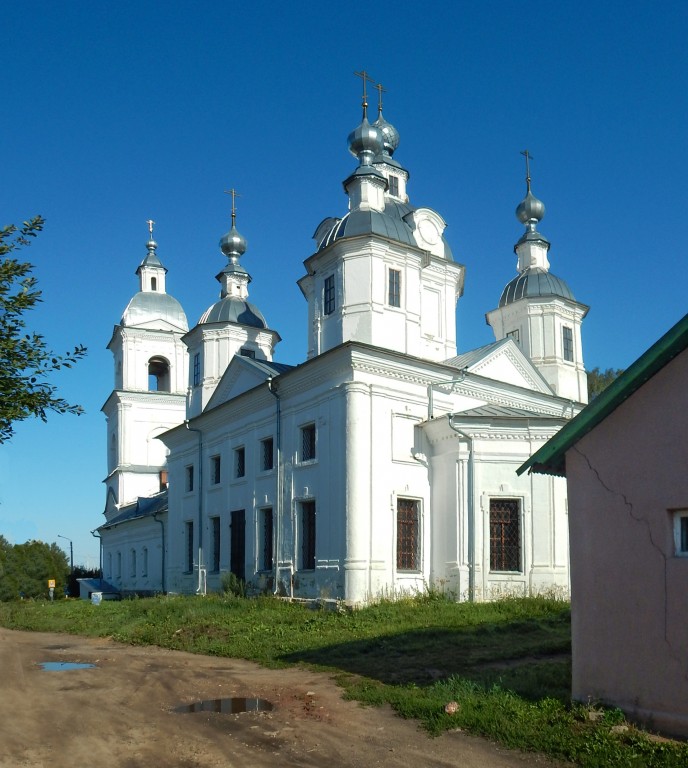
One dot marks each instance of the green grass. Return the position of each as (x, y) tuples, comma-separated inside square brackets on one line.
[(506, 663)]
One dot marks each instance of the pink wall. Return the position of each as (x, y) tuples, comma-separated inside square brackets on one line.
[(629, 592)]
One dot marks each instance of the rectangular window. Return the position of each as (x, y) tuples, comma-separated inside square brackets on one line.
[(505, 535), (308, 535), (568, 343), (133, 563), (328, 295), (215, 470), (394, 292), (189, 564), (215, 564), (515, 335), (267, 454), (393, 186), (681, 532), (237, 543), (119, 565), (265, 538), (308, 442), (197, 369), (408, 535), (247, 353), (189, 478), (239, 462), (144, 563)]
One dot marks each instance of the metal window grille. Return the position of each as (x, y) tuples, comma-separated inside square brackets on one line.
[(189, 547), (216, 470), (308, 535), (505, 535), (393, 186), (408, 535), (394, 296), (568, 344), (684, 534), (238, 543), (190, 478), (239, 462), (308, 442), (197, 369), (268, 454), (266, 559), (216, 544), (328, 297)]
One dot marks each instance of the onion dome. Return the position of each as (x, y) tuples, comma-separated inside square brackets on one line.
[(151, 258), (390, 135), (233, 244), (365, 142), (530, 209)]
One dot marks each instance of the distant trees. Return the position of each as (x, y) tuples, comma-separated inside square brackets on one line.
[(599, 380), (26, 568), (25, 360)]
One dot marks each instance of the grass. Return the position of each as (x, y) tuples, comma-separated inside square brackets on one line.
[(506, 664)]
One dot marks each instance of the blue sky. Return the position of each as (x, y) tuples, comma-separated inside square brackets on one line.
[(116, 112)]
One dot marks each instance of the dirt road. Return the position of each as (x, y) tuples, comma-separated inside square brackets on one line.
[(123, 712)]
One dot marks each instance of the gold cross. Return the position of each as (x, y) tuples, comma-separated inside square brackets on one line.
[(234, 195), (528, 158), (150, 223), (364, 76), (380, 91)]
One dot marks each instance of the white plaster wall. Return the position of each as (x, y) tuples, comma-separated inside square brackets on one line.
[(135, 535)]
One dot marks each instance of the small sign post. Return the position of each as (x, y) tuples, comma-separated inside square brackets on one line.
[(51, 589)]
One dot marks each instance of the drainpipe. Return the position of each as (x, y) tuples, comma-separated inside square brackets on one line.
[(432, 385), (272, 387), (200, 589), (100, 552), (471, 508), (162, 537)]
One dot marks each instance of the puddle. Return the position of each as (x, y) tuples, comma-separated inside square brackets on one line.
[(230, 706), (62, 666)]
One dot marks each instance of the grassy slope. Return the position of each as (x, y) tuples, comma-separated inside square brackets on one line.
[(506, 664)]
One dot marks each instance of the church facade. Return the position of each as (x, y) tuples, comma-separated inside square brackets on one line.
[(383, 464)]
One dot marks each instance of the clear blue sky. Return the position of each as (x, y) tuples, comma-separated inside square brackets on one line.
[(116, 112)]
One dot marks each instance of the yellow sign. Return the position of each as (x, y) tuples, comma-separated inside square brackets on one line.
[(51, 583)]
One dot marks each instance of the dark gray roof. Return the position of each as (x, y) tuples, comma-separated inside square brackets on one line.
[(491, 411), (147, 306), (534, 282), (389, 223), (144, 506), (467, 359), (234, 310), (267, 366)]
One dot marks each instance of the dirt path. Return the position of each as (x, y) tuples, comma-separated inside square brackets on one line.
[(122, 713)]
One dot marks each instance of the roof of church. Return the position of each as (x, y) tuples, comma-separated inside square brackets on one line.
[(144, 506), (497, 411), (234, 310), (467, 359), (148, 306), (268, 366), (551, 458), (533, 282)]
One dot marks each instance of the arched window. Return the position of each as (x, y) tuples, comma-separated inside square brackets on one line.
[(154, 283), (158, 375)]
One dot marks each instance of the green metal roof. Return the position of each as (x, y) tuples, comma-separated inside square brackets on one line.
[(551, 458)]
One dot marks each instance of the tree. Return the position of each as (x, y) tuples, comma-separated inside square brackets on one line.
[(25, 361), (27, 567), (599, 380)]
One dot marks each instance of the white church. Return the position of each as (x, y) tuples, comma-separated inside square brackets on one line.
[(383, 464)]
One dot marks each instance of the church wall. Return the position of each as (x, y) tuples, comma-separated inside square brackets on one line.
[(132, 556)]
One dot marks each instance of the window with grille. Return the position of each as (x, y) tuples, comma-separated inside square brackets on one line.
[(215, 470), (189, 478), (515, 335), (505, 535), (308, 442), (265, 555), (568, 343), (393, 186), (197, 369), (189, 547), (132, 563), (328, 295), (267, 454), (215, 522), (144, 563), (308, 535), (239, 462), (408, 535), (681, 532), (248, 353), (394, 292)]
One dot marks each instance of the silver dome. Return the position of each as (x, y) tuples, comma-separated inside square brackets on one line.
[(233, 244), (390, 135), (365, 142), (149, 307), (530, 209), (534, 282), (234, 310)]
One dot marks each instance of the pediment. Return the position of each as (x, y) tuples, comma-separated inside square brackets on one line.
[(240, 375)]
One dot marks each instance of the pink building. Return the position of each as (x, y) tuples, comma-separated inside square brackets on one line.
[(625, 457)]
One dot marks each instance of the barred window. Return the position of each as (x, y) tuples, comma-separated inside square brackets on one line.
[(328, 295), (197, 369), (394, 294), (189, 547), (568, 343), (505, 535), (266, 563), (239, 462), (215, 470), (308, 535), (308, 442), (267, 454), (393, 186), (189, 478), (215, 522), (408, 534)]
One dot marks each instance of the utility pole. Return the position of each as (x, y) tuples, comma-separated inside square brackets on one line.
[(71, 553)]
